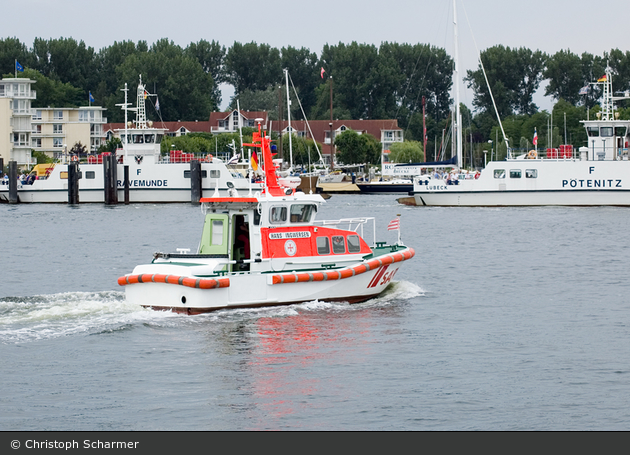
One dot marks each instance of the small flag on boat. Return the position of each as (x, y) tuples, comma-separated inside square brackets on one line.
[(91, 98), (157, 104), (535, 140), (19, 67), (146, 94), (322, 72), (234, 159), (584, 90), (255, 161), (394, 225), (602, 79)]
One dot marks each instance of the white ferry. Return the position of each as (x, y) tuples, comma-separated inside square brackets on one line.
[(151, 177), (268, 249), (598, 174)]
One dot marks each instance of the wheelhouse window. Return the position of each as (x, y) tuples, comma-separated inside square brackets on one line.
[(620, 131), (354, 244), (217, 232), (592, 131), (90, 175), (515, 173), (215, 173), (339, 244), (606, 131), (302, 213), (278, 215), (323, 245), (531, 173), (499, 173)]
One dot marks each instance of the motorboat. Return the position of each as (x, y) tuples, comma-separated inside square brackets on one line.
[(267, 248)]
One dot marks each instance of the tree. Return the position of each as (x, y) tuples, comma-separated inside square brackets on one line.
[(53, 93), (185, 91), (514, 76), (12, 49), (303, 68), (211, 57), (304, 150), (252, 66), (78, 149), (406, 152), (355, 148)]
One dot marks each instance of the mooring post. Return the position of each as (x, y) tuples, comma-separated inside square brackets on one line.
[(126, 183), (195, 182), (110, 184), (13, 182), (73, 183)]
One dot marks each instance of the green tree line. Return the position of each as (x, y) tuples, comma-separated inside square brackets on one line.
[(370, 82)]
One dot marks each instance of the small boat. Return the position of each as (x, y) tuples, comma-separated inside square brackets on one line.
[(386, 186), (267, 249)]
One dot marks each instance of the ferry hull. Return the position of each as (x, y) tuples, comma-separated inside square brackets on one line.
[(533, 183)]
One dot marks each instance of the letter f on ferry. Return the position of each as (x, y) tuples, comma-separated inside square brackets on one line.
[(138, 171), (591, 169)]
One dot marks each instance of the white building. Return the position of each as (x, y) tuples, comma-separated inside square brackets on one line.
[(15, 120)]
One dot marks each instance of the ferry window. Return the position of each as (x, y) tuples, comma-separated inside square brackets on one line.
[(256, 218), (620, 131), (606, 131), (215, 174), (137, 138), (323, 246), (301, 213), (531, 173), (499, 173), (354, 244), (148, 138), (217, 232), (515, 173), (339, 246), (90, 175), (278, 215), (158, 139), (592, 131)]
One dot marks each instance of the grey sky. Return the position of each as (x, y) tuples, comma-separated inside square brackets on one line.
[(548, 25)]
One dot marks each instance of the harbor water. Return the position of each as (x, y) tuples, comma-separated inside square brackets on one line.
[(506, 319)]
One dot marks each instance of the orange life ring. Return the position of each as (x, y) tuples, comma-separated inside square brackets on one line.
[(209, 158), (75, 158), (532, 155)]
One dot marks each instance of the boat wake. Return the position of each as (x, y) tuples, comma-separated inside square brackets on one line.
[(42, 317)]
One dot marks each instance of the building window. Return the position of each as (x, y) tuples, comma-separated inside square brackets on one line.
[(58, 115), (36, 142), (83, 116), (37, 115), (57, 128), (57, 142)]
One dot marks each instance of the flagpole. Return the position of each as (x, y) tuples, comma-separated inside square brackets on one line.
[(15, 68)]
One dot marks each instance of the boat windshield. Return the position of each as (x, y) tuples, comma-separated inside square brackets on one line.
[(302, 213)]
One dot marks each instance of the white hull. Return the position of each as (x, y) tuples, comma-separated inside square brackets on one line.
[(255, 290), (557, 182), (148, 182)]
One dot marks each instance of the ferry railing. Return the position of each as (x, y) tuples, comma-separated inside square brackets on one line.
[(351, 224)]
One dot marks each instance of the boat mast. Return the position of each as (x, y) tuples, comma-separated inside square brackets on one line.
[(458, 115), (286, 75)]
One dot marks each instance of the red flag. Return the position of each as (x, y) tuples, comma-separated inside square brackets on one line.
[(535, 140), (394, 225), (322, 72)]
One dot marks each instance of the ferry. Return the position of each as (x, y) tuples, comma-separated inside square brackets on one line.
[(267, 249), (597, 174), (151, 177)]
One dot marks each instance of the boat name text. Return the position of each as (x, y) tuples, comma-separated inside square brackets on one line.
[(140, 183), (581, 183), (289, 235)]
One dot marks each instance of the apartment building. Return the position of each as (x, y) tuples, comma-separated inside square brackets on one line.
[(16, 95)]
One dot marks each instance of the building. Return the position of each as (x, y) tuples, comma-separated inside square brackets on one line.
[(56, 130), (15, 120)]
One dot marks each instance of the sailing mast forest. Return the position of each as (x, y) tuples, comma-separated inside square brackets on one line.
[(370, 82)]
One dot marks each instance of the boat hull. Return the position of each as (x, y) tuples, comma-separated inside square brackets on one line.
[(557, 183), (160, 288), (384, 188)]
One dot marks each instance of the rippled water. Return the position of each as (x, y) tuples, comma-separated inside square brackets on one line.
[(508, 319)]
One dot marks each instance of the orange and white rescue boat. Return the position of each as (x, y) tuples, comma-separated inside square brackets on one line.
[(268, 249)]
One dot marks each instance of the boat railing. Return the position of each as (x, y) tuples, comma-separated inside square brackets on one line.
[(351, 224)]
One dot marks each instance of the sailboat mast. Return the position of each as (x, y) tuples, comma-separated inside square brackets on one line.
[(286, 75), (458, 115)]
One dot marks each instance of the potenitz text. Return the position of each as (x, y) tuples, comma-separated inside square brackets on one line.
[(85, 444)]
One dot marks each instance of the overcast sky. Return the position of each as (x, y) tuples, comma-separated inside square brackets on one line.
[(547, 25)]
